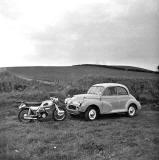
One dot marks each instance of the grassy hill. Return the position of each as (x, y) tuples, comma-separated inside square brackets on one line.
[(120, 67), (143, 84), (67, 73)]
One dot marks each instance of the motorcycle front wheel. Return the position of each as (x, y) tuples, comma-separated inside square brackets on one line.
[(21, 115), (59, 117)]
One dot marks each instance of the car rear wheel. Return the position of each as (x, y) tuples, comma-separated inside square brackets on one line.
[(91, 114), (131, 111)]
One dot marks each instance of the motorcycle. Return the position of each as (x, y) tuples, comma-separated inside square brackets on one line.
[(30, 111)]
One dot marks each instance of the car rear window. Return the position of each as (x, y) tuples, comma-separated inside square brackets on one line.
[(110, 91), (122, 91)]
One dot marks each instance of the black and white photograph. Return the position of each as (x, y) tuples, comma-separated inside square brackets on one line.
[(79, 79)]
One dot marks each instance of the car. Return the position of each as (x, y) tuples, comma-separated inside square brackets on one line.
[(103, 98)]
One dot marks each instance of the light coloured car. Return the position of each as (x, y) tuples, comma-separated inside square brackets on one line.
[(104, 98)]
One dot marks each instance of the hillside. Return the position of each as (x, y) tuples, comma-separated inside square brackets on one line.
[(144, 85), (120, 67), (67, 73)]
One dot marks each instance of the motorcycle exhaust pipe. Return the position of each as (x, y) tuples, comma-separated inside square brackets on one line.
[(29, 117)]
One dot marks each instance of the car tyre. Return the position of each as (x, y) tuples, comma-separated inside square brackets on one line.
[(132, 111), (91, 114)]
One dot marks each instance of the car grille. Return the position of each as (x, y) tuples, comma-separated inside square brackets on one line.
[(72, 107)]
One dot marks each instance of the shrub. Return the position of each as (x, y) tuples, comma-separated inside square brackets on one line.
[(145, 90)]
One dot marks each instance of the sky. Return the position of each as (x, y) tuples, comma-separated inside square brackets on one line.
[(70, 32)]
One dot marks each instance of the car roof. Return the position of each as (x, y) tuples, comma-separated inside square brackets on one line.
[(110, 85)]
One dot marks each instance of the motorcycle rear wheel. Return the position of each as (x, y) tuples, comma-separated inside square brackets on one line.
[(21, 115), (57, 117)]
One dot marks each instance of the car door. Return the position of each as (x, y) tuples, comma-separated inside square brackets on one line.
[(109, 100), (123, 97)]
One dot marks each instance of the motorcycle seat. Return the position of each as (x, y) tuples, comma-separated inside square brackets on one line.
[(33, 103)]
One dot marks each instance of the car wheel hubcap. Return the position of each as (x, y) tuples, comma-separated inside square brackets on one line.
[(131, 111), (92, 114)]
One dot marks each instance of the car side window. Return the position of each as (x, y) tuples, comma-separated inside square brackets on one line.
[(122, 91), (110, 91)]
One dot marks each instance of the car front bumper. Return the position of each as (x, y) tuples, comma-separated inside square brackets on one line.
[(74, 108), (73, 112)]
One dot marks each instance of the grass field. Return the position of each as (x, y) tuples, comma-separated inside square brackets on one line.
[(111, 137)]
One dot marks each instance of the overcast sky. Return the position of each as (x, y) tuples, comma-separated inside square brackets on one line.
[(68, 32)]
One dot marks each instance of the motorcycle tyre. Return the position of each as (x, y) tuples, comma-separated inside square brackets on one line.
[(19, 116), (54, 115)]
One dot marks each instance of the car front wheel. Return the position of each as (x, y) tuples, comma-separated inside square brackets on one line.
[(90, 114), (131, 111)]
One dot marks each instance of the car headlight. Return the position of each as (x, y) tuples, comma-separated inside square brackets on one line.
[(77, 103), (67, 100)]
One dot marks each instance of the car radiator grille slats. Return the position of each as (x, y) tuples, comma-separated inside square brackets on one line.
[(72, 107)]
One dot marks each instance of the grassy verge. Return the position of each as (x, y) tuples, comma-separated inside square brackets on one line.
[(111, 137)]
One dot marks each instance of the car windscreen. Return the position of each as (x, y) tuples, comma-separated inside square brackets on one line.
[(98, 90)]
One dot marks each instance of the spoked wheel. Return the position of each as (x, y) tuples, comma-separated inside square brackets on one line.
[(131, 111), (59, 116), (91, 114), (22, 114)]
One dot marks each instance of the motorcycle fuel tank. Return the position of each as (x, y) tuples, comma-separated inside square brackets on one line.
[(46, 103)]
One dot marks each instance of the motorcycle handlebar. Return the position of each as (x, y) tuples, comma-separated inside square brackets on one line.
[(20, 101), (54, 99)]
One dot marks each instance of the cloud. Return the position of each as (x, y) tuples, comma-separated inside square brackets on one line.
[(14, 43), (8, 9), (98, 34), (84, 31)]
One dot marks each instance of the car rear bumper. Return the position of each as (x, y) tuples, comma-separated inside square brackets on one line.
[(138, 105)]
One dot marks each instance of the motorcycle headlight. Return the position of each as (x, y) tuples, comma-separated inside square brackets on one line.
[(22, 105)]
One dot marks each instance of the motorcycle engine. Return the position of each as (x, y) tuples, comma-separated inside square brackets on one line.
[(44, 114)]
